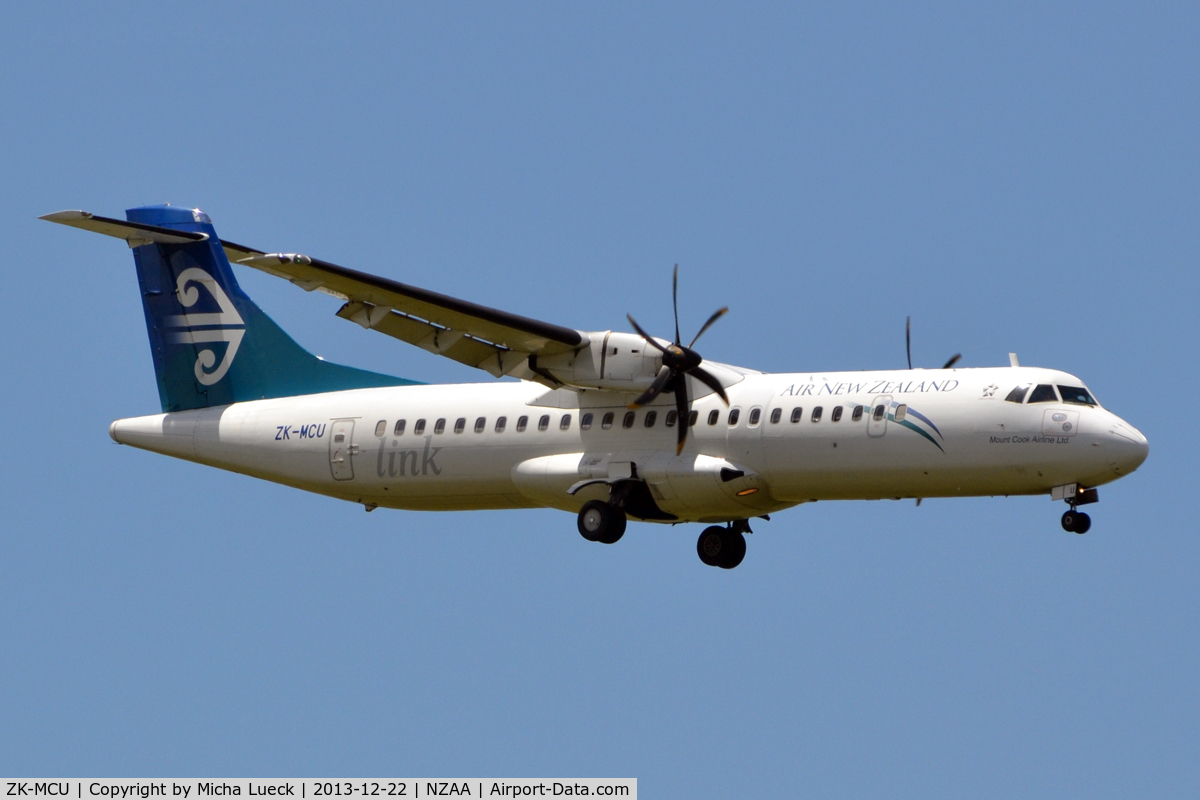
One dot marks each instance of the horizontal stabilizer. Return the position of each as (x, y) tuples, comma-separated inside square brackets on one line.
[(135, 233)]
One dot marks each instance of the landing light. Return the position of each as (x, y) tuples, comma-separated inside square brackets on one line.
[(745, 492)]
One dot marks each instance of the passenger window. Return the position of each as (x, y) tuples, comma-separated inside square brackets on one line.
[(500, 423), (585, 422), (381, 427), (607, 421), (857, 415), (439, 426), (816, 415), (522, 421), (901, 412), (693, 418), (837, 414), (629, 417), (734, 413), (1017, 395), (1043, 393), (419, 428), (713, 416), (776, 415), (880, 410), (544, 422), (797, 413), (480, 424), (755, 416), (399, 429), (460, 424), (651, 416), (672, 418), (1076, 395), (565, 422)]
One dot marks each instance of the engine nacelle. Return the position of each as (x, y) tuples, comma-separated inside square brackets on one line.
[(615, 361)]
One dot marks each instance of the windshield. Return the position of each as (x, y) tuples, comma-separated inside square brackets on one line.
[(1017, 395), (1076, 395), (1043, 393)]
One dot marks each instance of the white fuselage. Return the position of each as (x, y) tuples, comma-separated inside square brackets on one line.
[(943, 433)]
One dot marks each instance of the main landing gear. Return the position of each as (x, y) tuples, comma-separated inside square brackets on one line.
[(601, 521), (722, 547)]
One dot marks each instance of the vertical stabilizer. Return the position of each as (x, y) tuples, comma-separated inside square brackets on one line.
[(211, 344)]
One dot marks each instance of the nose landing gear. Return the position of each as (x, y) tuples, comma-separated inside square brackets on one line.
[(1075, 495), (1076, 522)]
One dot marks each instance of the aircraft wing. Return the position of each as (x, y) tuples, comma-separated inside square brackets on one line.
[(493, 340)]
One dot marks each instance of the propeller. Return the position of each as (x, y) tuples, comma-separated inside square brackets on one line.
[(908, 346), (679, 361)]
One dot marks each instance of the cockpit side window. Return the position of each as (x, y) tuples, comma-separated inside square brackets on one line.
[(1043, 393), (1017, 395), (1077, 395)]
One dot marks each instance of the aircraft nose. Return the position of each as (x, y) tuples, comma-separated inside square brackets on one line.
[(1128, 447)]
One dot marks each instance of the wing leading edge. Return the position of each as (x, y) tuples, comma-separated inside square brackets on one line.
[(496, 341)]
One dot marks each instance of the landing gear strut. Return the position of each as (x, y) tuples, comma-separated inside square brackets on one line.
[(721, 547), (600, 521)]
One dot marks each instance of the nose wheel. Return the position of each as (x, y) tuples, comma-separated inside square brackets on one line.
[(1076, 522), (601, 522), (721, 547)]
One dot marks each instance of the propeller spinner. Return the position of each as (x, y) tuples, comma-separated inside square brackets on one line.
[(679, 361)]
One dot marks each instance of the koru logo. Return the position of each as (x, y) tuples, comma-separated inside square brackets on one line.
[(217, 327)]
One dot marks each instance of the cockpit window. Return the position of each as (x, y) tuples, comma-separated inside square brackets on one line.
[(1076, 395), (1017, 395), (1043, 393)]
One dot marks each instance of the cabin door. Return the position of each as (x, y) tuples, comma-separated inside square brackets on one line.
[(342, 449)]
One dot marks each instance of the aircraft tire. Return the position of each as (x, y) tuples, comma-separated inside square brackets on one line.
[(711, 545), (734, 550), (616, 530), (601, 522), (1071, 521)]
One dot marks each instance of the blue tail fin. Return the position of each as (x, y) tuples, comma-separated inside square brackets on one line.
[(211, 344)]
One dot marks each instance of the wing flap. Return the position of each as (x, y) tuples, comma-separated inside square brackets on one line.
[(455, 345)]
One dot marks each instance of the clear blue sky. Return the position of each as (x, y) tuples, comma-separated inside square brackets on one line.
[(1021, 179)]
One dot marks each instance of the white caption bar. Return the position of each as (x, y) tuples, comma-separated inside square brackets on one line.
[(193, 788)]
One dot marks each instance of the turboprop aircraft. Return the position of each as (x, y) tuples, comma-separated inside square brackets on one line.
[(605, 424)]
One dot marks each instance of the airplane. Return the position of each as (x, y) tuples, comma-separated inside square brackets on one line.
[(608, 425)]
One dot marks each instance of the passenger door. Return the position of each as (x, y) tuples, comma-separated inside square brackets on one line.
[(880, 407), (342, 449)]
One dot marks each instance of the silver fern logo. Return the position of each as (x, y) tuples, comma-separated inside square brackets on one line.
[(198, 329)]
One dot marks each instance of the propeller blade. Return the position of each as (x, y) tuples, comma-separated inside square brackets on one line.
[(908, 339), (681, 410), (645, 335), (720, 312), (675, 300), (655, 389), (706, 378), (953, 360)]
